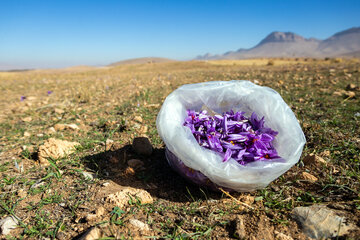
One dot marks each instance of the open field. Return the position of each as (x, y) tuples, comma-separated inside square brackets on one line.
[(111, 106)]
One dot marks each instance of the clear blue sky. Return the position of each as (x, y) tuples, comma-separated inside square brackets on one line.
[(53, 33)]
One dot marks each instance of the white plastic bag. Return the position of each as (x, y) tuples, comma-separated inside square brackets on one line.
[(187, 156)]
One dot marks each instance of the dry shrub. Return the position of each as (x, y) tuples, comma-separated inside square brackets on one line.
[(337, 60), (271, 62)]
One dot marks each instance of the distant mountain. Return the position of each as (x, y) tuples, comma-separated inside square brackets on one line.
[(288, 44), (141, 61), (341, 43)]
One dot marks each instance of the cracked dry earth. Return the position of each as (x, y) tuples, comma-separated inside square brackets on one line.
[(80, 157)]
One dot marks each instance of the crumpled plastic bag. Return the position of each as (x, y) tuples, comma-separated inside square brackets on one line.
[(204, 166)]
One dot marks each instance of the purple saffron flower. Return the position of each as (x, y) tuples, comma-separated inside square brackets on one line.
[(237, 137), (257, 124), (49, 92), (227, 155), (22, 98), (233, 135), (225, 124), (241, 154), (264, 155)]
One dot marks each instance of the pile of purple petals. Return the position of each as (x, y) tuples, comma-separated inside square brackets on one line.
[(234, 135)]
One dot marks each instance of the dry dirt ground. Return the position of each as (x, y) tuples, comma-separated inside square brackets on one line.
[(112, 106)]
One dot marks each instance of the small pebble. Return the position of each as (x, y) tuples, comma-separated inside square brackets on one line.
[(7, 224), (105, 184), (142, 146)]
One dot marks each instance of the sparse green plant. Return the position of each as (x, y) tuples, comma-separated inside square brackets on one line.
[(116, 216)]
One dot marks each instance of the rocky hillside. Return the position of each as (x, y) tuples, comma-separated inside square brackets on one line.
[(288, 44)]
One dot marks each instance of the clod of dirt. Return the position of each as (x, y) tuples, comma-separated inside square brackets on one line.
[(138, 119), (240, 232), (122, 197), (92, 233), (281, 236), (55, 148), (27, 134), (325, 153), (27, 119), (51, 130), (338, 93), (89, 175), (247, 199), (100, 211), (93, 216), (61, 127), (7, 224), (309, 177), (135, 163), (139, 224), (21, 193), (142, 146), (108, 144), (105, 184), (61, 236), (313, 159), (144, 129), (350, 94), (320, 222), (59, 111), (352, 87)]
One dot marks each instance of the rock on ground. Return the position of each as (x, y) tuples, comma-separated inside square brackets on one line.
[(122, 197), (139, 224), (138, 119), (313, 159), (27, 134), (352, 87), (321, 222), (135, 163), (281, 236), (92, 233), (51, 130), (93, 216), (59, 111), (55, 148), (142, 146), (309, 177), (60, 127), (27, 119), (240, 232), (89, 175), (108, 144), (7, 224)]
